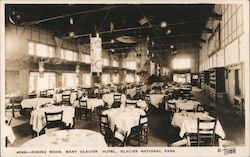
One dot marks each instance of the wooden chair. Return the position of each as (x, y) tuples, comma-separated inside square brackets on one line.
[(13, 105), (43, 94), (185, 94), (32, 95), (65, 99), (54, 121), (121, 141), (198, 108), (83, 109), (8, 122), (117, 101), (147, 99), (140, 132), (131, 104), (105, 129), (205, 135), (171, 109)]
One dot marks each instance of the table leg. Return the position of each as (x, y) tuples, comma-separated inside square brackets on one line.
[(13, 110)]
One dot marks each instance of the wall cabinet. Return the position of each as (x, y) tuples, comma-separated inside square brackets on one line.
[(216, 83), (238, 107)]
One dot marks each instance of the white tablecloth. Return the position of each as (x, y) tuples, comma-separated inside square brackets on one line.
[(92, 103), (156, 99), (38, 120), (183, 105), (109, 98), (36, 102), (68, 139), (8, 132), (187, 122), (58, 97), (140, 103), (124, 118)]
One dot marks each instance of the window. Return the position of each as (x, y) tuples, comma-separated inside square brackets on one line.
[(131, 65), (130, 78), (181, 63), (69, 55), (105, 62), (41, 50), (69, 80), (115, 78), (182, 78), (37, 83), (105, 79), (86, 78), (86, 58)]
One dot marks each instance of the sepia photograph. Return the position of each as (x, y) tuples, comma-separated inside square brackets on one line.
[(129, 78)]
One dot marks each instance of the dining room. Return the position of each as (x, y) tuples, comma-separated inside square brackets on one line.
[(125, 75)]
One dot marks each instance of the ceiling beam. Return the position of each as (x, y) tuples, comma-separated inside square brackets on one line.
[(70, 15), (216, 16), (208, 30)]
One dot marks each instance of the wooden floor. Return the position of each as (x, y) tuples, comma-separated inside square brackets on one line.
[(161, 133)]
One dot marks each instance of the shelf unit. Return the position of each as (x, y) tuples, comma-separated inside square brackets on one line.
[(204, 79), (216, 82), (238, 107)]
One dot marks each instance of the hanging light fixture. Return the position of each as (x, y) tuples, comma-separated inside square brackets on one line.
[(77, 70), (71, 33), (71, 20), (168, 31), (41, 68), (163, 24)]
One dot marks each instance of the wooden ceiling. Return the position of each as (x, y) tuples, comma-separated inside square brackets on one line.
[(185, 22)]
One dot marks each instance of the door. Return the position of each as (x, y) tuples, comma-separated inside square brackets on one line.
[(231, 85)]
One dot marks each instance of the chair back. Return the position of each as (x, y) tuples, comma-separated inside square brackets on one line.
[(117, 97), (131, 104), (172, 106), (143, 121), (104, 124), (121, 135), (66, 99), (53, 117), (147, 98), (43, 94), (198, 108), (206, 129), (83, 104)]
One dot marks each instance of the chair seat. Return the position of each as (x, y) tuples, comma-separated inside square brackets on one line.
[(56, 124)]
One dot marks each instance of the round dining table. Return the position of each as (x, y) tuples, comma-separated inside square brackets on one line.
[(183, 104), (69, 139), (124, 118), (38, 120), (109, 98)]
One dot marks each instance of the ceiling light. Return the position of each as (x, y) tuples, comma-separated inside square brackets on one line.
[(163, 24), (168, 31), (171, 46), (153, 43), (148, 38), (112, 41), (113, 50), (71, 33), (71, 20)]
